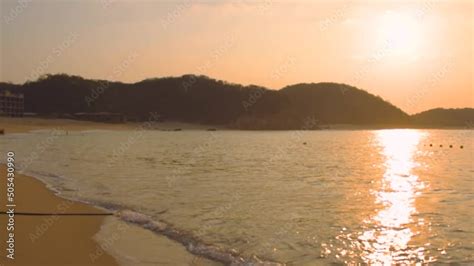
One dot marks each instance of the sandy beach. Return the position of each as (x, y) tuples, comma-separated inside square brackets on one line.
[(49, 240), (77, 240), (26, 124)]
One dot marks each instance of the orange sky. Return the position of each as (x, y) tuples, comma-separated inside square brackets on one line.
[(416, 54)]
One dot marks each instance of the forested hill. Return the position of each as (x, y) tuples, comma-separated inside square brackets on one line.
[(462, 117), (199, 99)]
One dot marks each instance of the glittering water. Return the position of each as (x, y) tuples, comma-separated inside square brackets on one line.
[(296, 197)]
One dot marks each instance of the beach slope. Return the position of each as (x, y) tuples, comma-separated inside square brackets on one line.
[(49, 240)]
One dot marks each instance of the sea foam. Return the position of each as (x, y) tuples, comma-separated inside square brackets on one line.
[(191, 243)]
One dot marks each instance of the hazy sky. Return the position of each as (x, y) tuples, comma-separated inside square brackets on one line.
[(415, 54)]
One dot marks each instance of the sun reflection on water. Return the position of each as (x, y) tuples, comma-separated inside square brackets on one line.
[(386, 242)]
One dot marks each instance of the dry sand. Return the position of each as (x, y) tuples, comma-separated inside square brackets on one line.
[(49, 240)]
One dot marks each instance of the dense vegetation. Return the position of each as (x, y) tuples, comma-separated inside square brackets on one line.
[(445, 117), (199, 99)]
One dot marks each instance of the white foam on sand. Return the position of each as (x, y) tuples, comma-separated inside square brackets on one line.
[(133, 245), (189, 242)]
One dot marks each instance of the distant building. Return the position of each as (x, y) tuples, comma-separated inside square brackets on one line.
[(11, 104)]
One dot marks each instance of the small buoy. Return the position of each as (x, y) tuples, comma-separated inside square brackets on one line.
[(462, 147), (450, 146)]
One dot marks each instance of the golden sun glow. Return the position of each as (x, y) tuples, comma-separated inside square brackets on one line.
[(399, 50), (402, 31)]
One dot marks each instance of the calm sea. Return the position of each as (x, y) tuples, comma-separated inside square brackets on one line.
[(294, 197)]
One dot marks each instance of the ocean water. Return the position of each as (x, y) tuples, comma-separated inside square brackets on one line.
[(289, 197)]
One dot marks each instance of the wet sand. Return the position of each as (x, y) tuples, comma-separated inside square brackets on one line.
[(49, 240), (77, 240)]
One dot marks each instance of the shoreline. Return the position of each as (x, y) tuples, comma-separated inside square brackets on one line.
[(109, 249), (97, 238), (29, 124), (150, 243), (50, 239)]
